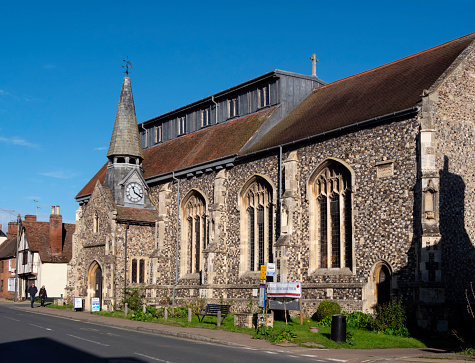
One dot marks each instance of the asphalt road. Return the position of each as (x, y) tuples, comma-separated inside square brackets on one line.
[(28, 337)]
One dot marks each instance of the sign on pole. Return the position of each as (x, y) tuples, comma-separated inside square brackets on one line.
[(284, 289), (262, 296), (270, 269), (263, 272)]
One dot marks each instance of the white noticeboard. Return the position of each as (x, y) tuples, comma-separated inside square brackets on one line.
[(78, 303), (95, 304), (284, 289), (270, 269)]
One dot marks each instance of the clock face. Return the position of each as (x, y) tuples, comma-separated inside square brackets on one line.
[(134, 192)]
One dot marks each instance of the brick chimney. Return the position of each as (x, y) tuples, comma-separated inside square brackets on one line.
[(56, 231), (30, 218), (12, 229)]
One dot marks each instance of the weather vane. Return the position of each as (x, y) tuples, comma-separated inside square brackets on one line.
[(127, 65)]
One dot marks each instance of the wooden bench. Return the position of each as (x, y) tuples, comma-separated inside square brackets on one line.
[(212, 310)]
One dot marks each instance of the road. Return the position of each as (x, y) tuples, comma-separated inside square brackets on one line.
[(30, 336)]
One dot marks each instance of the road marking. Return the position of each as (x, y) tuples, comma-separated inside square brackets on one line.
[(7, 317), (292, 356), (153, 358), (337, 360), (268, 351), (41, 327), (90, 341)]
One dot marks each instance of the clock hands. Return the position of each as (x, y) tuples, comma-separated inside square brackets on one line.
[(135, 192)]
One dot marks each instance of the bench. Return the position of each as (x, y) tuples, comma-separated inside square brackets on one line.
[(212, 310)]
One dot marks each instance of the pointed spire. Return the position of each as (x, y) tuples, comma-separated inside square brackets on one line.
[(125, 140)]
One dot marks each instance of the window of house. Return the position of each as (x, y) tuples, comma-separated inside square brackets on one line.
[(1, 285), (181, 125), (259, 219), (138, 271), (25, 257), (205, 117), (334, 227), (1, 266), (158, 134), (264, 96), (233, 107), (196, 232)]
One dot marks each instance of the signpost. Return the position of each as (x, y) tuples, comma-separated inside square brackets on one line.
[(286, 291)]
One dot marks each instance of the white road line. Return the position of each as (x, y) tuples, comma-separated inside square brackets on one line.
[(292, 356), (268, 351), (90, 341), (309, 355), (7, 317), (153, 358), (41, 327), (337, 360)]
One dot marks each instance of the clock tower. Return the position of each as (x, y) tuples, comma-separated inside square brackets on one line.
[(124, 175)]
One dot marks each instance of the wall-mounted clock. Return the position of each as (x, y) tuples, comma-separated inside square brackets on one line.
[(134, 192)]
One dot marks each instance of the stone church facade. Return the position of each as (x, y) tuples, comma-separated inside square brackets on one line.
[(362, 190)]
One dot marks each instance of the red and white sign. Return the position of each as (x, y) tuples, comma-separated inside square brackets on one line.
[(284, 289)]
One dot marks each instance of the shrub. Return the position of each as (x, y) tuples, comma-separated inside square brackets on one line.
[(327, 309), (275, 335), (197, 305), (359, 320), (133, 297), (391, 318)]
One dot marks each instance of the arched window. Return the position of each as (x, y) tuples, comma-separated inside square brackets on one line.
[(332, 188), (258, 217), (195, 223)]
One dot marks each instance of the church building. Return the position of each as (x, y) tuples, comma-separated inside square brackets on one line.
[(362, 190)]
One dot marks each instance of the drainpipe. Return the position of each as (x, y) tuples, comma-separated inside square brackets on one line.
[(216, 113), (125, 259), (177, 234), (279, 197)]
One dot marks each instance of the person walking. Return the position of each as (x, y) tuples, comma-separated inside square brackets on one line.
[(32, 291), (43, 295)]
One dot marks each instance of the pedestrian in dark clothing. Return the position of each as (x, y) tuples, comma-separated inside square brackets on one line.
[(32, 291), (43, 296)]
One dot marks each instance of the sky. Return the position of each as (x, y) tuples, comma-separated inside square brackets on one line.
[(61, 69)]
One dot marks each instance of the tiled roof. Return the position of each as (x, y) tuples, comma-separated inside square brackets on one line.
[(381, 91), (8, 249), (209, 144), (136, 214), (37, 234)]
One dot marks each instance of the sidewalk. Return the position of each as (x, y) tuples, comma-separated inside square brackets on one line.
[(244, 340)]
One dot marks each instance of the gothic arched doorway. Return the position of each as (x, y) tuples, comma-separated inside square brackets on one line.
[(383, 284), (94, 284)]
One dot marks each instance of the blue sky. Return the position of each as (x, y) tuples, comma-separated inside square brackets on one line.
[(61, 69)]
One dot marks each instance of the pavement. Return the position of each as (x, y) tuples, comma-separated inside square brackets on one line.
[(218, 336)]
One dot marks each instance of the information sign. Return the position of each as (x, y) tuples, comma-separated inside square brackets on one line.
[(262, 296), (263, 272), (284, 289), (270, 269), (78, 303), (95, 304)]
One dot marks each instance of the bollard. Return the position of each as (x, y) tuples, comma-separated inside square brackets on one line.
[(126, 308), (338, 330), (218, 322), (189, 315), (165, 315), (144, 308)]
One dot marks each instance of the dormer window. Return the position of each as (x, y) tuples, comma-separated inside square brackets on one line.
[(181, 125), (264, 96), (205, 117), (233, 107), (158, 134)]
